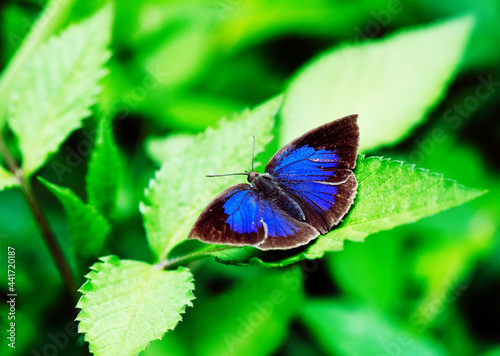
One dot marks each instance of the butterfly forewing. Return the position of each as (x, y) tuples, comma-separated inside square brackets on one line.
[(337, 141), (315, 170), (232, 218)]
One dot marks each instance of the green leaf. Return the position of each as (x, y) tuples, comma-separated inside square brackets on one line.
[(180, 190), (105, 171), (57, 86), (389, 194), (486, 33), (88, 228), (49, 21), (345, 328), (256, 316), (7, 179), (126, 304), (160, 149), (365, 79), (170, 55)]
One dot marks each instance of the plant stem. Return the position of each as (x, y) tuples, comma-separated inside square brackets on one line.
[(48, 235), (205, 252)]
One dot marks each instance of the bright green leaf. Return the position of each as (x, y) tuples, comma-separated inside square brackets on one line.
[(161, 148), (105, 171), (389, 194), (239, 256), (48, 22), (180, 57), (345, 328), (391, 83), (88, 228), (127, 304), (481, 51), (7, 179), (180, 189), (57, 87), (256, 316)]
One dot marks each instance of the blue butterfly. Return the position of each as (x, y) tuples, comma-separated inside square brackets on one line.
[(307, 187)]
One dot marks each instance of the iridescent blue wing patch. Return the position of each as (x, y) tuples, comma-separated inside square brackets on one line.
[(282, 230), (239, 216), (316, 171)]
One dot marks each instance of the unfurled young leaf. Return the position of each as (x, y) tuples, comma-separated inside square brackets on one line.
[(7, 179), (105, 171), (391, 83), (127, 304), (57, 86), (389, 194), (180, 190), (88, 229)]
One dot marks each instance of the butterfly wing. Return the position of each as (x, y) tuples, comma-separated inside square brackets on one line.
[(316, 171), (240, 216)]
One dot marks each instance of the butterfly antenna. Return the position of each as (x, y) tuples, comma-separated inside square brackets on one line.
[(227, 174), (237, 174), (253, 152)]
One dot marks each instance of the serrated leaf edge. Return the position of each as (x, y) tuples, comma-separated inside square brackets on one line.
[(115, 261)]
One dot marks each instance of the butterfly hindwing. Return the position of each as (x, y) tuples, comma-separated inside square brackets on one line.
[(239, 216), (325, 202), (315, 170), (282, 230)]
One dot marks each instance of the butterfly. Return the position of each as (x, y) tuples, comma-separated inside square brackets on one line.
[(307, 187)]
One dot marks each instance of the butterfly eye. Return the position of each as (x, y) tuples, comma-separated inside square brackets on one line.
[(252, 175)]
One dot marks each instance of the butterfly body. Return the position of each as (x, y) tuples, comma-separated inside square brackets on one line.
[(307, 187), (269, 188)]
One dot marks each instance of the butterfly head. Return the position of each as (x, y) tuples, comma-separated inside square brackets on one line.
[(262, 182), (252, 175)]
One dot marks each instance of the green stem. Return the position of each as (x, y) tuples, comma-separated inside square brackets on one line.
[(48, 235), (196, 255)]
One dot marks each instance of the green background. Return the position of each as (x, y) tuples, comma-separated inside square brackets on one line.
[(429, 288)]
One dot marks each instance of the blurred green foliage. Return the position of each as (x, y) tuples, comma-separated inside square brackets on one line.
[(429, 288)]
